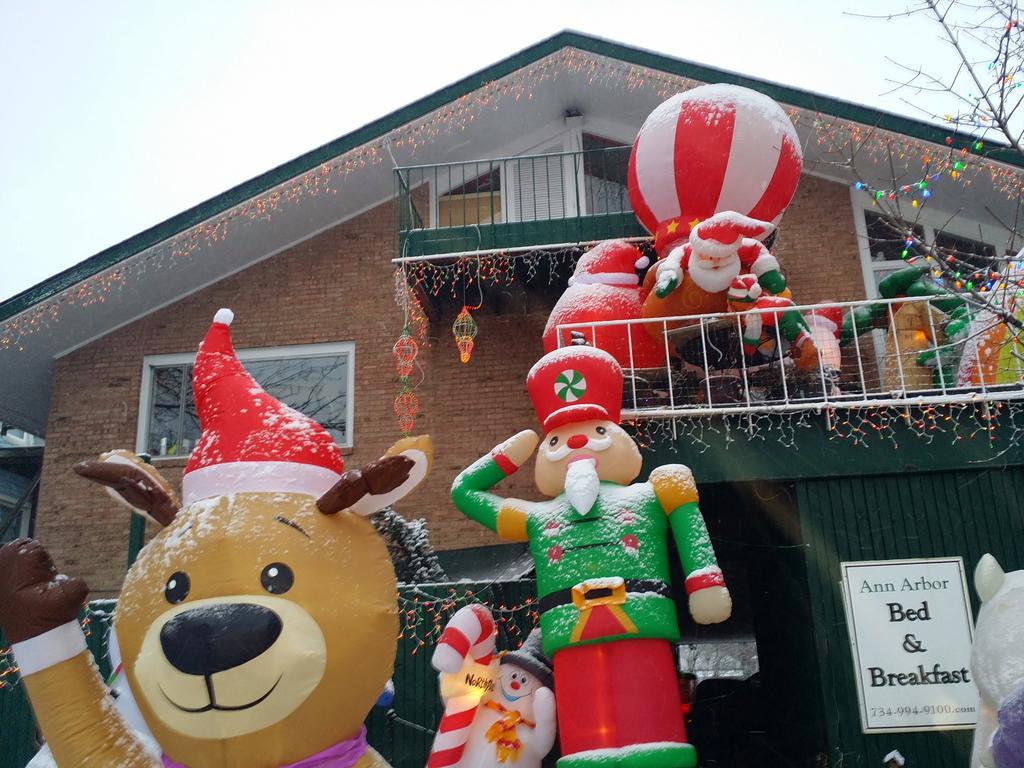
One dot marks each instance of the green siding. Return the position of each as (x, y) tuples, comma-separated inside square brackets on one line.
[(519, 234), (731, 455), (954, 513), (17, 727)]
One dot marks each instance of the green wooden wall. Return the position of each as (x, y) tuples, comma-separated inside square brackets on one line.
[(727, 453), (927, 514)]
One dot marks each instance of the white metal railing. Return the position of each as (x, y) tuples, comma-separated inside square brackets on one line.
[(703, 370)]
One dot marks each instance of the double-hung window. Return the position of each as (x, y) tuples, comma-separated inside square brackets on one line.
[(882, 245), (315, 379)]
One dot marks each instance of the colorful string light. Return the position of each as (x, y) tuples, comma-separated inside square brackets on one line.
[(861, 425), (424, 614), (407, 405), (464, 329)]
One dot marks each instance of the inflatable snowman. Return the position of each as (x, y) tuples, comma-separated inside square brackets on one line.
[(516, 725), (498, 710)]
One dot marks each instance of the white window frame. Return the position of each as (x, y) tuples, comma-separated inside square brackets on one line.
[(26, 515), (932, 221), (327, 349)]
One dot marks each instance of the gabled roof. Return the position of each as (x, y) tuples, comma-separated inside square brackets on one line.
[(314, 158), (156, 268)]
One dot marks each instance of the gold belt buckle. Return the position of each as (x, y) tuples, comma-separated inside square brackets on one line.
[(609, 591)]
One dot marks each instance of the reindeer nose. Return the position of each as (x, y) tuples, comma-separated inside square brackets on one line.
[(576, 441), (215, 638)]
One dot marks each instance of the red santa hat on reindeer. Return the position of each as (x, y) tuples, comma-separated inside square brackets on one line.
[(250, 441)]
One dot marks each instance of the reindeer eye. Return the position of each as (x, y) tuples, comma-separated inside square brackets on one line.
[(277, 578), (553, 441), (601, 430), (177, 587)]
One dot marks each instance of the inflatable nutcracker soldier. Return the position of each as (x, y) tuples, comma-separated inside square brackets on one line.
[(600, 548)]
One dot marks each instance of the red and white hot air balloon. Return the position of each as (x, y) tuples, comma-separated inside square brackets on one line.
[(710, 149)]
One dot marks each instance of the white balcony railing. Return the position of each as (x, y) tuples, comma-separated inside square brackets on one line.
[(704, 370)]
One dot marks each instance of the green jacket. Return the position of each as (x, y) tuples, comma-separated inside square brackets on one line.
[(622, 539)]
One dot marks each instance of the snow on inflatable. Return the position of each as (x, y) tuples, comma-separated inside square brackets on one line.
[(499, 709), (708, 150), (258, 628), (605, 286), (710, 175), (604, 598), (996, 663)]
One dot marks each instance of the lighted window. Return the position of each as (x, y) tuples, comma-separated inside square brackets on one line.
[(883, 241), (474, 200)]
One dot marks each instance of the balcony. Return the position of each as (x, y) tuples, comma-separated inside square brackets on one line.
[(514, 203), (891, 362)]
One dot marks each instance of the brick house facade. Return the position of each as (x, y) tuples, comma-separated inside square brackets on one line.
[(788, 497), (329, 278), (337, 286)]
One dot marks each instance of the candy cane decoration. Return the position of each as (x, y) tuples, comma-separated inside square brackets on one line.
[(469, 636)]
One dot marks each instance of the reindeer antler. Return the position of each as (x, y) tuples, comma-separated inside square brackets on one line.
[(381, 482), (133, 483)]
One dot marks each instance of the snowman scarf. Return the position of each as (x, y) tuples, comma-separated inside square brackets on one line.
[(503, 732)]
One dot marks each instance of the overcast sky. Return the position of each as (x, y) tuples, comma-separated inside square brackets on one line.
[(118, 115)]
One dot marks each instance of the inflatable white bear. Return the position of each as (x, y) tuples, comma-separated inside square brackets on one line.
[(997, 660)]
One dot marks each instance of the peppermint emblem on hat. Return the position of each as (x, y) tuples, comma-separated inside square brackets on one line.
[(570, 385)]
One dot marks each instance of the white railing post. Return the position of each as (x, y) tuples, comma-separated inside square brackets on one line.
[(782, 362), (896, 342), (938, 346), (668, 367), (743, 356), (632, 365), (856, 346), (825, 385), (707, 372)]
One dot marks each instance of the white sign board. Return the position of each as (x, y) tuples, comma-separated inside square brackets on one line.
[(911, 630)]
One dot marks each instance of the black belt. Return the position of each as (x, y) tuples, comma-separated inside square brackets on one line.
[(564, 596)]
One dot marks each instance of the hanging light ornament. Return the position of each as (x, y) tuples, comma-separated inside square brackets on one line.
[(464, 329), (405, 351), (407, 405)]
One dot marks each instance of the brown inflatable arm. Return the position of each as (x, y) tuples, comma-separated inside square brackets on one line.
[(39, 613)]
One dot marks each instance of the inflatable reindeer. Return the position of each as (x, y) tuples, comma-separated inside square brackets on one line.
[(258, 627)]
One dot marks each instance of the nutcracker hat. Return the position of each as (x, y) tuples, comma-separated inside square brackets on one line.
[(574, 384), (531, 658), (612, 262), (250, 441)]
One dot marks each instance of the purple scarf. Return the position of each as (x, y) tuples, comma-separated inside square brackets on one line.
[(341, 755)]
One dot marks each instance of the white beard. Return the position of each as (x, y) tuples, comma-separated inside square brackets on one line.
[(582, 485), (714, 280)]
